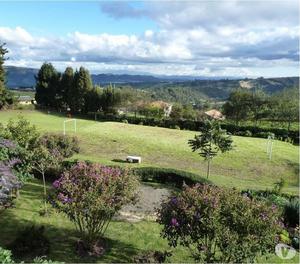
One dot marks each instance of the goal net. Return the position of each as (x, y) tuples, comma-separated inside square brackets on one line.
[(70, 121)]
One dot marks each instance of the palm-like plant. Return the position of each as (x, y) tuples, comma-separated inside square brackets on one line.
[(212, 139)]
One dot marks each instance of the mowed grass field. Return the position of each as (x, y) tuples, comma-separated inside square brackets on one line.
[(246, 166)]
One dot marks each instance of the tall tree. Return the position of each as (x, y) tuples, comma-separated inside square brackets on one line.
[(212, 139), (82, 84), (286, 106), (238, 105), (93, 100), (258, 105), (47, 81), (66, 84), (5, 96), (110, 99)]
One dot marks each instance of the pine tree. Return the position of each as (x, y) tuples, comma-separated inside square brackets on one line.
[(5, 96), (66, 85), (82, 85), (47, 81)]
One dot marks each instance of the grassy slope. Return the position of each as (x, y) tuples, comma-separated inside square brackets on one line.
[(125, 239), (247, 166)]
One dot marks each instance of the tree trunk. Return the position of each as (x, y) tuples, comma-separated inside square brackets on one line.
[(208, 168), (45, 192)]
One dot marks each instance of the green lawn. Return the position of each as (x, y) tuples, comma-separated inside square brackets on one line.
[(247, 166)]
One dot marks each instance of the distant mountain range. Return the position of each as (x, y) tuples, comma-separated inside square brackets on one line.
[(170, 88), (20, 77)]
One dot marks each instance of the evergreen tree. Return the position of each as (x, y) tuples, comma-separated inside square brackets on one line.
[(110, 99), (93, 100), (66, 85), (82, 85), (5, 96), (47, 82)]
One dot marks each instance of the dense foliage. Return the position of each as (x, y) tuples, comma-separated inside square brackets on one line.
[(65, 145), (5, 256), (91, 194), (219, 225)]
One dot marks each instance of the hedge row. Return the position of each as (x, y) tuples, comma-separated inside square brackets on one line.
[(250, 131), (172, 177)]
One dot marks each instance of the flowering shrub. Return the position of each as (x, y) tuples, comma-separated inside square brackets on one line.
[(91, 194), (66, 145), (11, 169), (219, 224)]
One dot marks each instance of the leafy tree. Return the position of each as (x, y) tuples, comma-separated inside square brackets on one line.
[(188, 112), (66, 84), (42, 160), (258, 105), (82, 84), (47, 82), (286, 106), (219, 225), (6, 97), (238, 105), (177, 111), (90, 195), (211, 140)]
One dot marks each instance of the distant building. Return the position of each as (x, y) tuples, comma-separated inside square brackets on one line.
[(26, 100), (215, 114)]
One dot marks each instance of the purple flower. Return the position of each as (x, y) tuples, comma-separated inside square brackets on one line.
[(174, 200), (56, 184), (174, 222)]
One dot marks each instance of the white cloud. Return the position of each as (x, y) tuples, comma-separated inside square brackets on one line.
[(195, 38)]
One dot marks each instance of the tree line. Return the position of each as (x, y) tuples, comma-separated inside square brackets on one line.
[(255, 105), (73, 90)]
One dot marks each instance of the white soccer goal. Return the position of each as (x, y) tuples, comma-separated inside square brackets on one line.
[(70, 120), (269, 147)]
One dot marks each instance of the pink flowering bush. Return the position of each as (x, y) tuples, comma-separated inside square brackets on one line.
[(219, 225), (91, 194)]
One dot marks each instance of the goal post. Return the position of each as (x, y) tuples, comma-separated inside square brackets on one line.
[(70, 120)]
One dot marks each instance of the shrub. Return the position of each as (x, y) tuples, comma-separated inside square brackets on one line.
[(5, 256), (22, 132), (246, 133), (66, 145), (173, 177), (91, 194), (125, 121), (219, 225), (291, 213), (30, 242)]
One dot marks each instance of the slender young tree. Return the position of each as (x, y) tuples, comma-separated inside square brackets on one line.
[(42, 160), (212, 139)]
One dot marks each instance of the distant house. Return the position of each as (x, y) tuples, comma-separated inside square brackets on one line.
[(215, 114), (25, 100), (163, 105)]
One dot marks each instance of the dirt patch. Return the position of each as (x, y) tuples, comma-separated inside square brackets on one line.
[(149, 199)]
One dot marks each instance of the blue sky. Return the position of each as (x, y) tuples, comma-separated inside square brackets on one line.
[(60, 18), (201, 38)]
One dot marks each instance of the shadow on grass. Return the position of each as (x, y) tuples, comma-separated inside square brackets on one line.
[(119, 161)]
